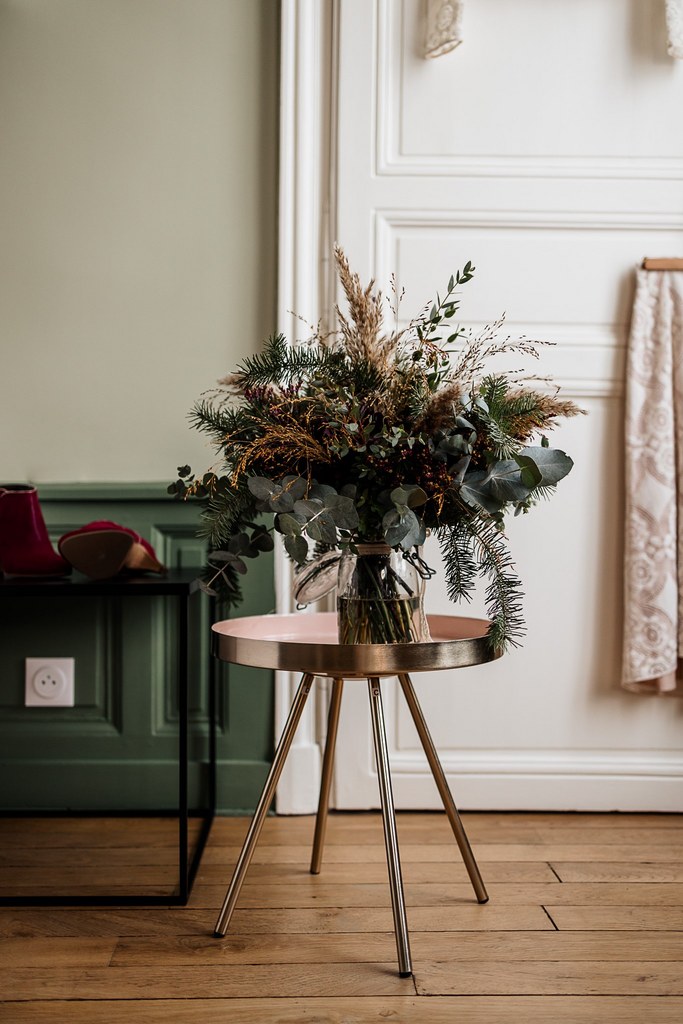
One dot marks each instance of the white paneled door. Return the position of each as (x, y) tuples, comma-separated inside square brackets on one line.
[(547, 149)]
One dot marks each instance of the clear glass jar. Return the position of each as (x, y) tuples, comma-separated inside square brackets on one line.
[(380, 597)]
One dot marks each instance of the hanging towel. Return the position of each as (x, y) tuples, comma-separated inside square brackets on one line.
[(653, 563), (674, 26), (444, 26)]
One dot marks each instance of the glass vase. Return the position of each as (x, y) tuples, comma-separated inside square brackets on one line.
[(380, 598)]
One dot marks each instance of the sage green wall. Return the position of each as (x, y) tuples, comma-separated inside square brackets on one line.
[(138, 212), (137, 265)]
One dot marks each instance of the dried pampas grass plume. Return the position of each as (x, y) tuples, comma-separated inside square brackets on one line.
[(361, 333)]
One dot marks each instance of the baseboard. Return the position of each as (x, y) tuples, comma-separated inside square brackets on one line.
[(561, 781)]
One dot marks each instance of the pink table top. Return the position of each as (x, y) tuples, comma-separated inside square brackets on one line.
[(307, 642)]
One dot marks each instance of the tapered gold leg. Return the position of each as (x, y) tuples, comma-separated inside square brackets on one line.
[(444, 789), (262, 809), (398, 904), (326, 780)]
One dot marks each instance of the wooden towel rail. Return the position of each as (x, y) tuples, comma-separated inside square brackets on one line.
[(663, 263)]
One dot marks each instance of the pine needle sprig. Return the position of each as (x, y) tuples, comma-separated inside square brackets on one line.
[(461, 570), (218, 422), (282, 364), (472, 547), (504, 590)]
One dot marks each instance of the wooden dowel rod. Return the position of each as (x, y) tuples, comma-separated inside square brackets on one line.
[(664, 263)]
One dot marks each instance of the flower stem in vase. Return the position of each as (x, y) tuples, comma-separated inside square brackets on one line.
[(380, 598)]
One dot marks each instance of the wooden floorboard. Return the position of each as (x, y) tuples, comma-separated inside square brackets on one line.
[(584, 923), (344, 1010)]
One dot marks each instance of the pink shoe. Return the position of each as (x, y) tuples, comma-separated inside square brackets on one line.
[(25, 548), (103, 549)]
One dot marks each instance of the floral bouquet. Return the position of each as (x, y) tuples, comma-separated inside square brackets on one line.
[(361, 441)]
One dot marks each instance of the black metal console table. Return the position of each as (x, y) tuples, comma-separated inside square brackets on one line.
[(182, 585)]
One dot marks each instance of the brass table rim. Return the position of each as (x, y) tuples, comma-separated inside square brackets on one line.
[(307, 642)]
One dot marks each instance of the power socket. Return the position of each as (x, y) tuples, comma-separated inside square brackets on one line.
[(49, 683)]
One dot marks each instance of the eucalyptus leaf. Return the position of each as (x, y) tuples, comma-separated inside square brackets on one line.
[(262, 541), (399, 496), (322, 529), (477, 493), (295, 485), (410, 495), (308, 507), (206, 589), (290, 525), (283, 501), (401, 526), (455, 444), (262, 488), (239, 543), (321, 491), (531, 474), (504, 481), (222, 556), (343, 512), (297, 548), (552, 463), (397, 524), (459, 470)]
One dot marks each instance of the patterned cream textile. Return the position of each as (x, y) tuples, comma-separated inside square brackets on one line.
[(653, 566), (674, 25)]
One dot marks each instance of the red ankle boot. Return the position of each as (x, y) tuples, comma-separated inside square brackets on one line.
[(25, 548), (103, 549)]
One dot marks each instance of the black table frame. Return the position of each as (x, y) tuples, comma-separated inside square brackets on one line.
[(181, 584)]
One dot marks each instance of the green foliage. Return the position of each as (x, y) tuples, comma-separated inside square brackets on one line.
[(364, 437), (281, 364)]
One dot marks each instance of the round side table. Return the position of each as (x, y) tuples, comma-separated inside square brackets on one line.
[(307, 643)]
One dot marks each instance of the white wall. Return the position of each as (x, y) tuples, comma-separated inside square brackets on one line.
[(547, 149), (138, 224)]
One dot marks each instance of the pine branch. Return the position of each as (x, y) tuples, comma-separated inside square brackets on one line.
[(503, 593), (458, 557), (281, 364), (473, 547), (218, 422)]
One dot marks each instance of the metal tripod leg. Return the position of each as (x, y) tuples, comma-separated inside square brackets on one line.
[(444, 790), (326, 780), (390, 837), (262, 809)]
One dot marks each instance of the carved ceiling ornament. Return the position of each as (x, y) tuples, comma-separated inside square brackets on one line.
[(444, 27)]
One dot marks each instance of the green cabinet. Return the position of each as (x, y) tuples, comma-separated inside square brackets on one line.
[(117, 748)]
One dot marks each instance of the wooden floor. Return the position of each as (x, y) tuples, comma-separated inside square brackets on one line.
[(584, 924)]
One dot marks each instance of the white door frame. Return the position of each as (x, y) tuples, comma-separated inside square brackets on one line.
[(304, 244)]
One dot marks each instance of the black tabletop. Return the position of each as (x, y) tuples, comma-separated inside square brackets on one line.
[(175, 581)]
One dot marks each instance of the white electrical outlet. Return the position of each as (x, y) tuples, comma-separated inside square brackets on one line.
[(49, 683)]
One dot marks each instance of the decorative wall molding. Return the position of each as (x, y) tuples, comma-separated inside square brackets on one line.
[(391, 160), (99, 714), (305, 218), (531, 219)]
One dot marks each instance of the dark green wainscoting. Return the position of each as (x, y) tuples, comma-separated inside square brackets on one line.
[(117, 748)]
